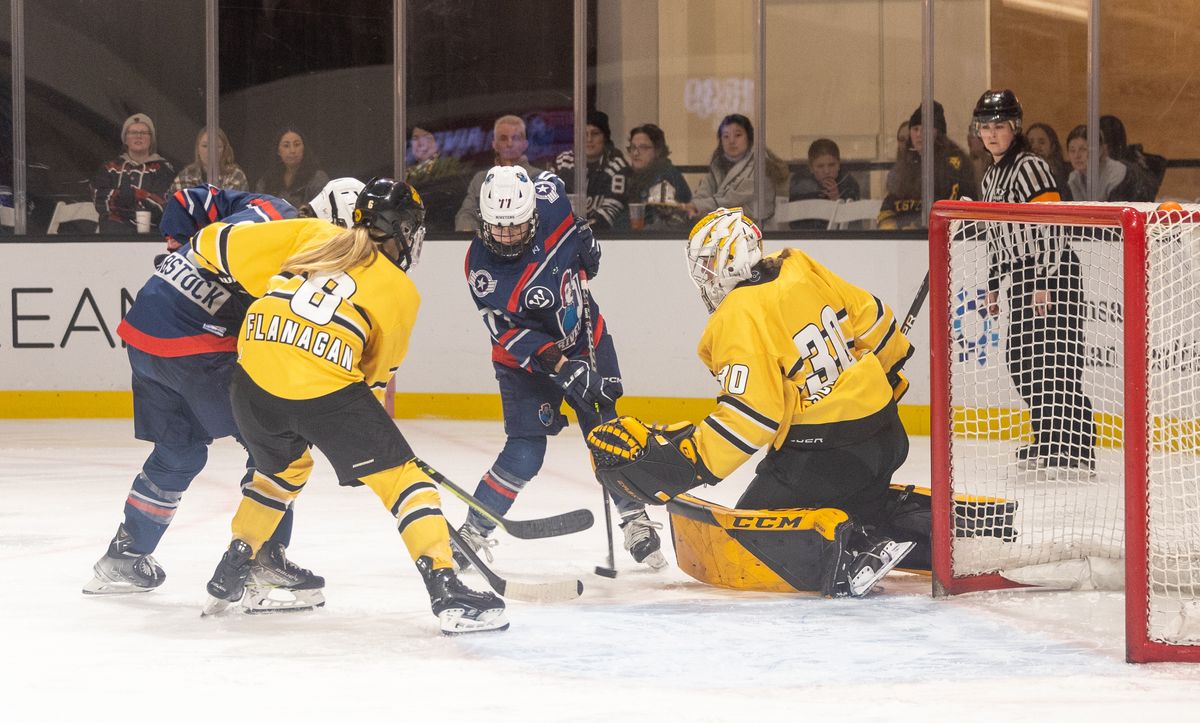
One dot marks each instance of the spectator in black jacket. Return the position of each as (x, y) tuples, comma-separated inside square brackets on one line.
[(295, 174), (656, 181), (953, 177), (823, 179), (137, 180), (1146, 170), (608, 175)]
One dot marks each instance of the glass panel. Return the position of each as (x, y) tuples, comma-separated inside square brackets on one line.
[(306, 93), (1148, 99), (1039, 51), (6, 121), (682, 66), (841, 76), (114, 93), (462, 79)]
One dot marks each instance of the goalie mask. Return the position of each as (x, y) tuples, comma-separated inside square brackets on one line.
[(335, 202), (723, 249), (508, 216), (393, 209)]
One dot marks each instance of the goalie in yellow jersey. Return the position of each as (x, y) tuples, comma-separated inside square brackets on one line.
[(330, 325), (809, 365)]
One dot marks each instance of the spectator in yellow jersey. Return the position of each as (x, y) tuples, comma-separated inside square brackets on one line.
[(809, 367), (332, 320)]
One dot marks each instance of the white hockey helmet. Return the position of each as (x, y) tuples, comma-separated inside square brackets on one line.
[(335, 202), (722, 250), (507, 200)]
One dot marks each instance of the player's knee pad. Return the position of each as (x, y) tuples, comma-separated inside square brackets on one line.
[(173, 467), (522, 457)]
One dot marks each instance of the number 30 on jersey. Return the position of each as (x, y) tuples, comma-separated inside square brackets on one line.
[(825, 347)]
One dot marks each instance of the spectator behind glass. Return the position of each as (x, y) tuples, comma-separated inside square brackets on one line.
[(509, 143), (981, 159), (823, 179), (1146, 170), (730, 179), (607, 175), (137, 180), (295, 175), (1044, 142), (1112, 173), (195, 173), (439, 179), (952, 175), (656, 181), (901, 144)]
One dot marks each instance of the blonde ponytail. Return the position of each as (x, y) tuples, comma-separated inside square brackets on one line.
[(350, 248)]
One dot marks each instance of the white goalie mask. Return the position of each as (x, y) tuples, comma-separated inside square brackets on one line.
[(507, 211), (722, 250), (335, 202)]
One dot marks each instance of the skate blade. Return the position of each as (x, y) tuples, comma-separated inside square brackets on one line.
[(99, 586), (260, 600), (904, 549), (454, 621), (215, 606), (655, 560)]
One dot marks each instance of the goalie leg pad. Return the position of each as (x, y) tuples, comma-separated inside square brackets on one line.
[(644, 464)]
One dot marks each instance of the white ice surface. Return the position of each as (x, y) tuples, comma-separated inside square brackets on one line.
[(645, 646)]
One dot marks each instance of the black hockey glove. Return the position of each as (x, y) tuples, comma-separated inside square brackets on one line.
[(611, 390), (579, 382)]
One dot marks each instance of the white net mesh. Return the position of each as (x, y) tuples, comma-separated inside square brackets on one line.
[(1173, 411), (1036, 392), (1037, 405)]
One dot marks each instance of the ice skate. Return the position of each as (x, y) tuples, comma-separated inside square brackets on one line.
[(867, 568), (642, 541), (228, 582), (276, 584), (478, 539), (459, 608), (122, 572)]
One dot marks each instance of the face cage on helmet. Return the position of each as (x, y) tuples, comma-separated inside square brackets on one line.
[(978, 121), (508, 251), (408, 240), (704, 276)]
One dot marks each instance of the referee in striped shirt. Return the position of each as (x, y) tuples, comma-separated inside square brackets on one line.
[(1044, 348)]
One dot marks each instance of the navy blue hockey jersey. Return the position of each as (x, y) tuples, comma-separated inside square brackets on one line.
[(190, 209), (182, 310), (535, 300)]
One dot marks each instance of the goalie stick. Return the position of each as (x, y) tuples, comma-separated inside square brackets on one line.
[(915, 308), (537, 592), (553, 526)]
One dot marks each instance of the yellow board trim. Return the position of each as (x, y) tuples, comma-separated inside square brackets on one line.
[(409, 405)]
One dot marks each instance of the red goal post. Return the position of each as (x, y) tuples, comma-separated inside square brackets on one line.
[(1078, 422)]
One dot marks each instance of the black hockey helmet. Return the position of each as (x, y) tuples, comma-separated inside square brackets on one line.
[(997, 105), (393, 209)]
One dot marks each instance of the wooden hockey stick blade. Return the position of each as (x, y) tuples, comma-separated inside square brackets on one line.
[(553, 526), (537, 592)]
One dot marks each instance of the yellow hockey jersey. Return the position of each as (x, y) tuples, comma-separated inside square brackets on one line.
[(310, 335), (800, 354)]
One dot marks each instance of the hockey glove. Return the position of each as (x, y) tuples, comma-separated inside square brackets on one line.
[(649, 464), (579, 382)]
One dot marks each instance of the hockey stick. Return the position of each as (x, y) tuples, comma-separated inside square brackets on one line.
[(609, 570), (553, 526), (915, 309), (538, 592)]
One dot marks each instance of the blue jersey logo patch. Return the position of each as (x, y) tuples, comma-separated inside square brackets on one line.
[(539, 297), (482, 283)]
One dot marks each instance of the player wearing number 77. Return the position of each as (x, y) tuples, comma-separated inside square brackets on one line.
[(333, 319), (809, 366)]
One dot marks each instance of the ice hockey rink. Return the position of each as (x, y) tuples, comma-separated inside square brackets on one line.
[(655, 646)]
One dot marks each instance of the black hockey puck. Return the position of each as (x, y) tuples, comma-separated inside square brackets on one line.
[(605, 571)]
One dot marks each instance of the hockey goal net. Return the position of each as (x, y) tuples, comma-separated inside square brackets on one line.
[(1065, 398)]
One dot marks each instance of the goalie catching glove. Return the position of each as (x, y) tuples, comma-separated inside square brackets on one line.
[(650, 464)]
